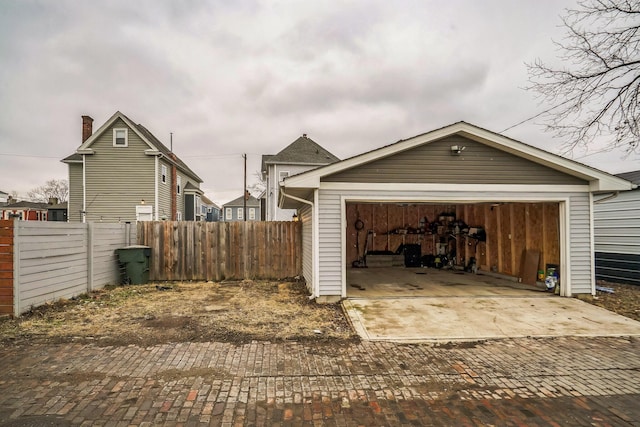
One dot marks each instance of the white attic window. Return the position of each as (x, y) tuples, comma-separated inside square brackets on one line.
[(120, 137)]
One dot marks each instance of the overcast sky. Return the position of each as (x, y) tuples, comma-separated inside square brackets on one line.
[(244, 76)]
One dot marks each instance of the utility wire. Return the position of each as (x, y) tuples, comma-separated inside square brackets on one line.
[(28, 155)]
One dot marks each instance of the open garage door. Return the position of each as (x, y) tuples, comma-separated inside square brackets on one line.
[(515, 239)]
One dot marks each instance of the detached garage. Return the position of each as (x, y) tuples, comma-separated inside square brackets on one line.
[(459, 195)]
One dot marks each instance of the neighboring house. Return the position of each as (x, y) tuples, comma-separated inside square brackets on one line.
[(57, 211), (497, 182), (617, 234), (234, 210), (3, 197), (25, 211), (210, 211), (299, 156), (122, 172)]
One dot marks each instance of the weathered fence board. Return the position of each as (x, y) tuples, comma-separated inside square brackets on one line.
[(222, 250)]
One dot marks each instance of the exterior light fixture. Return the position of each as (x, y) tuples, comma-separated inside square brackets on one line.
[(457, 149), (295, 217)]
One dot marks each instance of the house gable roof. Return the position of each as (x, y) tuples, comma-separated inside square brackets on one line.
[(303, 151), (154, 144), (599, 181), (251, 202)]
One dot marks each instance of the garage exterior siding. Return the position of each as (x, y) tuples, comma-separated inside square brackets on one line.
[(434, 163), (331, 228), (306, 218), (617, 238), (330, 239), (580, 242)]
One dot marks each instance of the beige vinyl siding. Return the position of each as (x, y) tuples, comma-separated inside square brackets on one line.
[(330, 232), (306, 217), (75, 193), (434, 163), (118, 178), (164, 191)]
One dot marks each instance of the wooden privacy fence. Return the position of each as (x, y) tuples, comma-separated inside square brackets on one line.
[(186, 250)]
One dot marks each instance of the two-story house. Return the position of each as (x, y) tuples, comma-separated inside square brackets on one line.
[(122, 172), (300, 156), (235, 209)]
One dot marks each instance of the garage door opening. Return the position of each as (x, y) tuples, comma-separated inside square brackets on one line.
[(515, 244)]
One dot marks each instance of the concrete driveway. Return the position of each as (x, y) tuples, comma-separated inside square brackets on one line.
[(443, 306)]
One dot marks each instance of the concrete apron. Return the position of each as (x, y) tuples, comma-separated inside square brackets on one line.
[(508, 314)]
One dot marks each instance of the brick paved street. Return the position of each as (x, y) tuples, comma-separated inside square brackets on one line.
[(524, 382)]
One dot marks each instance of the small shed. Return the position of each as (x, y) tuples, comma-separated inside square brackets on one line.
[(524, 199)]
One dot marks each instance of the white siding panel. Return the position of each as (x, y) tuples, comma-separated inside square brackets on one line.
[(330, 225), (617, 224), (580, 244), (330, 252), (306, 217)]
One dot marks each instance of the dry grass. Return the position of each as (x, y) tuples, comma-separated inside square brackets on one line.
[(152, 314), (625, 300)]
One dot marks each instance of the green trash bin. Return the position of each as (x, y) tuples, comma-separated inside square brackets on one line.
[(134, 264)]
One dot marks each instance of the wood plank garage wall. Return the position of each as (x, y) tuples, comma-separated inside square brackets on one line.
[(511, 228)]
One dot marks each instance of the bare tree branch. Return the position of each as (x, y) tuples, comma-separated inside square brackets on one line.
[(597, 91), (53, 188)]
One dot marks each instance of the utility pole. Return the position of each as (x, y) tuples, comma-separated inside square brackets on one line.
[(244, 198)]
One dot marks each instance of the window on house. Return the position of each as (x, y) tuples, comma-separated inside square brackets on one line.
[(178, 184), (164, 174), (240, 213), (120, 137), (228, 214), (282, 175), (179, 216), (252, 213)]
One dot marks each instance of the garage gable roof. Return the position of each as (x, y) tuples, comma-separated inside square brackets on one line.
[(598, 180)]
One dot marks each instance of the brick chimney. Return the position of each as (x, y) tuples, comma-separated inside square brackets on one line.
[(87, 127)]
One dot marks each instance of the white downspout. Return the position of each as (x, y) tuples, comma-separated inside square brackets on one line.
[(314, 233)]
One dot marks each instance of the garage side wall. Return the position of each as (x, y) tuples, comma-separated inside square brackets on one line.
[(306, 217), (617, 238), (580, 244), (331, 233)]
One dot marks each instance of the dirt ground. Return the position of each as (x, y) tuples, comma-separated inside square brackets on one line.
[(179, 312), (236, 312), (625, 300)]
